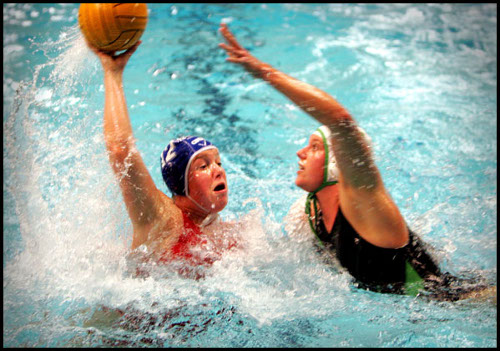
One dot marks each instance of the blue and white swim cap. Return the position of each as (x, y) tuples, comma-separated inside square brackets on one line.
[(176, 159)]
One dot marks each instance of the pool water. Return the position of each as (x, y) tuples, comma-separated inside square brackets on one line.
[(421, 79)]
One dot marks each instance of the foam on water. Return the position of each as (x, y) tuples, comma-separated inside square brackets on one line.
[(58, 176), (71, 248), (76, 234)]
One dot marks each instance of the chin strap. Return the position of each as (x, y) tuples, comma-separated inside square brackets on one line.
[(197, 204), (211, 216), (311, 197), (209, 219)]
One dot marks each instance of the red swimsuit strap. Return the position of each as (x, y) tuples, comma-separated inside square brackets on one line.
[(189, 238), (189, 225), (191, 247)]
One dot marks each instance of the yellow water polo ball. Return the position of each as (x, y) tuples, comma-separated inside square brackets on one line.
[(113, 27)]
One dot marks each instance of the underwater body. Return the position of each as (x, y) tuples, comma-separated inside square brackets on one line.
[(420, 79)]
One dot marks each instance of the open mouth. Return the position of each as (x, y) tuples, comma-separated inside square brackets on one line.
[(220, 187)]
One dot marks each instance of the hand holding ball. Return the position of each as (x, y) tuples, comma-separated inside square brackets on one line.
[(112, 27)]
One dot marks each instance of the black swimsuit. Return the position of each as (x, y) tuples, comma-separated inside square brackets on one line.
[(406, 270)]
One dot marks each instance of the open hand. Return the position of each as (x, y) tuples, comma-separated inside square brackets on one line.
[(238, 54)]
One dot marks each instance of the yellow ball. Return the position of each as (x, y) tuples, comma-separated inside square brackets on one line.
[(112, 27)]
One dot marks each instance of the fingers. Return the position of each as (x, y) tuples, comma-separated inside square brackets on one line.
[(236, 53), (130, 50), (237, 59), (230, 50), (229, 37)]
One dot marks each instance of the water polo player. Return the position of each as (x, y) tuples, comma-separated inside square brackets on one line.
[(348, 211), (169, 227)]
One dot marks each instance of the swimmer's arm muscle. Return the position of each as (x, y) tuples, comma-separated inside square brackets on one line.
[(363, 197), (142, 198), (137, 186), (348, 144)]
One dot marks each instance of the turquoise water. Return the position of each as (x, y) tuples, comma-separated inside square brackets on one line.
[(421, 79)]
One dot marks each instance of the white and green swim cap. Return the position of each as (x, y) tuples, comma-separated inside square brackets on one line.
[(331, 171)]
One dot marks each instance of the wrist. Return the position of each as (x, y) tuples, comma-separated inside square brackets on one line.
[(114, 74), (266, 72)]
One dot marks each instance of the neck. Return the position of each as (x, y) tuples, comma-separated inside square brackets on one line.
[(328, 199), (192, 210)]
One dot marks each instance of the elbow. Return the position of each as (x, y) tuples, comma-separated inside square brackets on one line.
[(118, 154), (340, 119), (401, 240), (118, 151), (399, 235)]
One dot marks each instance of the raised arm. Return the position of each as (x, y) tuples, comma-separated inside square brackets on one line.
[(349, 144), (363, 197), (142, 198)]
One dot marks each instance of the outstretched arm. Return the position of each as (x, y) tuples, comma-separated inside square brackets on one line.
[(349, 144), (140, 194), (363, 197)]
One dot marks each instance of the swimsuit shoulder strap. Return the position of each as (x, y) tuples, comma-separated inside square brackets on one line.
[(189, 224)]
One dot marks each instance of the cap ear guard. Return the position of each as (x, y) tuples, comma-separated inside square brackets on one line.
[(330, 176), (331, 171), (191, 158)]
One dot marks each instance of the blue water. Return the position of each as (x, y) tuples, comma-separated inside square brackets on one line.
[(421, 79)]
